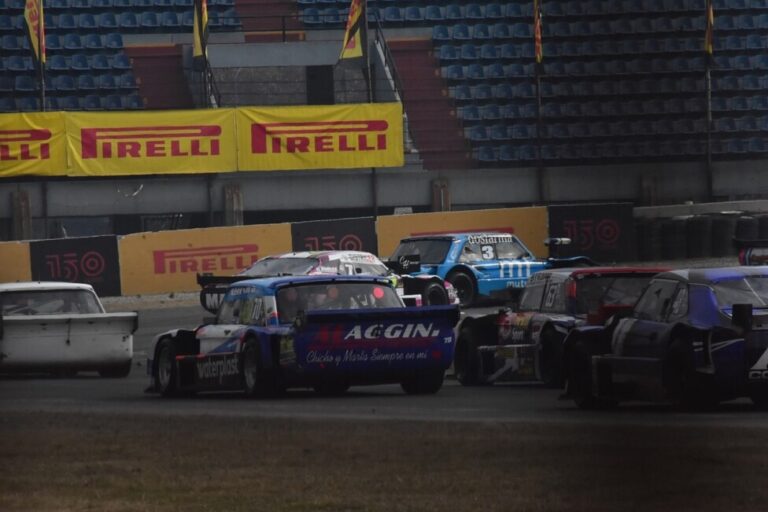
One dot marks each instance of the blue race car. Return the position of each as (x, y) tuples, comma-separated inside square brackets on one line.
[(476, 264), (695, 337), (325, 332)]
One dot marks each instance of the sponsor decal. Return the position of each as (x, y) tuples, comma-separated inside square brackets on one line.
[(759, 370), (217, 369), (319, 137), (205, 259), (484, 239), (151, 142), (392, 331), (25, 145)]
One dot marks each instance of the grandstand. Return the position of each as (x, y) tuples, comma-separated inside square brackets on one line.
[(622, 85)]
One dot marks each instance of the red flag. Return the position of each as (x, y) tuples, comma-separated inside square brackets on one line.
[(538, 50)]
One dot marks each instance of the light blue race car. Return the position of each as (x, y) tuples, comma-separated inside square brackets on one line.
[(487, 264)]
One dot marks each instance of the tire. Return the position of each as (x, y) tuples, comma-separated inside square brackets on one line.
[(119, 371), (426, 383), (434, 294), (465, 285), (760, 399), (551, 360), (466, 359), (579, 383), (166, 371)]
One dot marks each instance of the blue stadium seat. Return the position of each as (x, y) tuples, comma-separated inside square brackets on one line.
[(448, 52), (481, 32), (101, 62), (122, 5), (434, 13), (134, 102), (469, 113), (65, 83), (6, 84), (127, 81), (474, 71), (28, 104), (66, 21), (502, 31), (498, 132), (392, 15), (52, 42), (57, 5), (757, 61), (494, 71), (6, 23), (309, 16), (25, 83), (758, 102), (486, 154), (745, 22), (508, 51), (414, 14), (755, 42), (69, 103), (87, 21), (72, 42), (490, 112), (57, 62), (477, 133), (461, 32), (489, 52), (164, 5), (473, 11), (113, 102), (80, 62), (519, 30), (452, 72), (150, 21), (92, 102), (107, 82), (461, 92), (752, 82), (86, 82), (507, 153), (514, 10), (169, 19), (494, 11), (93, 41), (17, 63), (468, 52), (114, 41), (441, 33), (129, 21), (331, 17), (510, 111), (518, 70), (9, 43), (481, 92), (454, 12)]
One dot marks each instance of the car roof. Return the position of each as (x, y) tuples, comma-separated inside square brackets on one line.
[(273, 283), (458, 235), (43, 286), (585, 271), (332, 255), (714, 274)]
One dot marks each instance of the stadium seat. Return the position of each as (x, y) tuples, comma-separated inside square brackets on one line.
[(92, 102), (481, 32), (122, 5), (6, 84), (28, 104), (134, 102), (69, 103), (149, 20), (441, 33), (9, 43), (448, 52), (414, 14), (52, 42), (129, 21), (488, 52), (469, 113), (169, 19), (127, 81), (498, 132), (476, 133), (17, 63), (474, 71), (66, 21), (100, 62), (522, 131), (113, 102), (473, 11), (481, 92), (113, 41), (57, 62), (507, 153), (454, 12), (461, 32), (752, 82), (331, 16), (79, 62), (452, 72), (494, 71), (434, 14), (486, 154), (87, 22), (468, 52), (187, 18), (25, 83), (164, 5), (490, 112), (65, 83), (755, 42), (502, 31), (392, 15), (510, 111), (508, 51), (93, 42), (461, 92), (86, 82), (72, 42), (107, 82)]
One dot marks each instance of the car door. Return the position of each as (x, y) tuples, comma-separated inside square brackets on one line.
[(530, 305), (644, 334)]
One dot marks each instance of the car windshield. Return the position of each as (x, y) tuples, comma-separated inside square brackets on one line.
[(430, 252), (336, 295), (49, 302), (281, 266), (747, 290), (592, 291)]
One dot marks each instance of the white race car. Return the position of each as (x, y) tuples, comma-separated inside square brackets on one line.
[(62, 328)]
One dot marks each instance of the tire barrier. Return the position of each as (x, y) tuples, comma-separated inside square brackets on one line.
[(762, 227), (649, 239), (698, 236), (723, 229), (747, 228), (673, 241)]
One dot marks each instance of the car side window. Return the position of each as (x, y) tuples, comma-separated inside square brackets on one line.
[(474, 252), (679, 308), (656, 301), (229, 311), (554, 298)]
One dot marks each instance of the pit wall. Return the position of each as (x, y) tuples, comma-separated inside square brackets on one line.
[(168, 261)]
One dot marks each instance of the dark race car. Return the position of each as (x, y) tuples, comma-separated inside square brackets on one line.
[(527, 344), (691, 339), (325, 332), (427, 290)]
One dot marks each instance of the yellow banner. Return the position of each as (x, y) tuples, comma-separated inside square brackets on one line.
[(529, 224), (169, 261), (320, 137), (15, 263), (32, 143), (182, 141)]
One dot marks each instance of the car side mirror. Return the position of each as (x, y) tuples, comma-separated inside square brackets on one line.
[(741, 316)]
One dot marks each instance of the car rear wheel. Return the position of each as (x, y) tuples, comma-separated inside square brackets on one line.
[(251, 368), (165, 368), (466, 359), (579, 383), (426, 383), (551, 366), (687, 388), (466, 289), (434, 294)]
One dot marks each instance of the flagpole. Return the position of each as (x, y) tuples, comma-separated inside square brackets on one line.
[(709, 48), (538, 57), (367, 52), (40, 59)]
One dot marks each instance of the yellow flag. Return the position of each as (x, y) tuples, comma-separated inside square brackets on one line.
[(355, 38), (200, 35), (35, 30)]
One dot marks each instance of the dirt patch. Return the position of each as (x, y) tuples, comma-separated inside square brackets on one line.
[(67, 462)]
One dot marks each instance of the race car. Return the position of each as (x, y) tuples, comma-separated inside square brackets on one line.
[(752, 252), (415, 290), (526, 344), (695, 337), (62, 328), (476, 264), (324, 332)]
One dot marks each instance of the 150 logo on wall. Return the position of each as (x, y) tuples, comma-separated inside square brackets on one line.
[(335, 235), (93, 260), (604, 232)]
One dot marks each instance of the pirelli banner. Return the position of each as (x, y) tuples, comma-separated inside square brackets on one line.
[(33, 144), (201, 141)]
